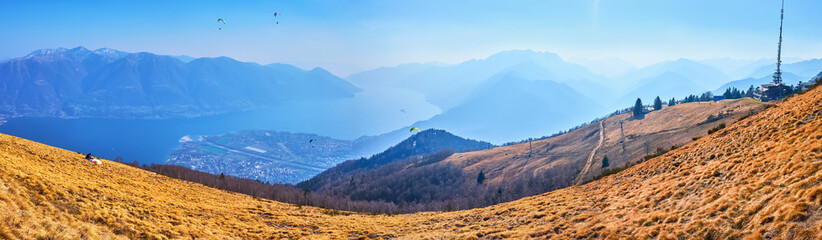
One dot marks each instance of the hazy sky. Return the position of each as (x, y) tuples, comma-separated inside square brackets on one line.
[(347, 36)]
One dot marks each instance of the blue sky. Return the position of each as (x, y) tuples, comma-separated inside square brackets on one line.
[(350, 36)]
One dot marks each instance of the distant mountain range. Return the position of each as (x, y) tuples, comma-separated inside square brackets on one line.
[(804, 69), (517, 94), (108, 83), (449, 85), (670, 79), (507, 96), (507, 107)]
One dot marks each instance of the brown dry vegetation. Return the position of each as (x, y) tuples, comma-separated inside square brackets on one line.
[(445, 185), (757, 178), (559, 159)]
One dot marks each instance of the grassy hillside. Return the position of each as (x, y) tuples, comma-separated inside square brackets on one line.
[(756, 178), (564, 156), (516, 171), (50, 192)]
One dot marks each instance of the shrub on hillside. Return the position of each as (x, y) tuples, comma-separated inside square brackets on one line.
[(717, 128)]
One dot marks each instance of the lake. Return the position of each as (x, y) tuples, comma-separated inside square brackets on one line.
[(151, 140), (146, 141)]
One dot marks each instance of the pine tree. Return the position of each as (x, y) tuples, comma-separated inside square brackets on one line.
[(706, 96), (672, 102), (727, 94), (638, 113), (690, 98), (605, 162), (480, 177), (657, 103)]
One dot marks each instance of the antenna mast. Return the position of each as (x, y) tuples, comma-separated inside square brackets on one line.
[(777, 76)]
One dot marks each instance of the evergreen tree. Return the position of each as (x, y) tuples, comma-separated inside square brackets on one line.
[(638, 111), (657, 103), (707, 96), (605, 162), (690, 98), (727, 94), (672, 102), (480, 177), (222, 176)]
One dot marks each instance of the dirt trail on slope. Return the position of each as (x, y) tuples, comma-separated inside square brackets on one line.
[(590, 162)]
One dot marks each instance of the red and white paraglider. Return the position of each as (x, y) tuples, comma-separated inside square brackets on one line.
[(92, 159)]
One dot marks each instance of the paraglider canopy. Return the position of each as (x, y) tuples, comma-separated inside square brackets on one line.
[(311, 141), (413, 128), (220, 20)]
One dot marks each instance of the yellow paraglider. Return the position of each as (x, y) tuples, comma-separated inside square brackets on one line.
[(413, 128)]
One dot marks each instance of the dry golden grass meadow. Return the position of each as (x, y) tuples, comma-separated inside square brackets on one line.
[(626, 141), (757, 178)]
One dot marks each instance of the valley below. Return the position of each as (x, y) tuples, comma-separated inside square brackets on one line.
[(267, 156)]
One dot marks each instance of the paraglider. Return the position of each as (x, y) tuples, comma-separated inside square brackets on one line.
[(312, 141), (91, 159), (413, 145), (275, 17), (220, 20)]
